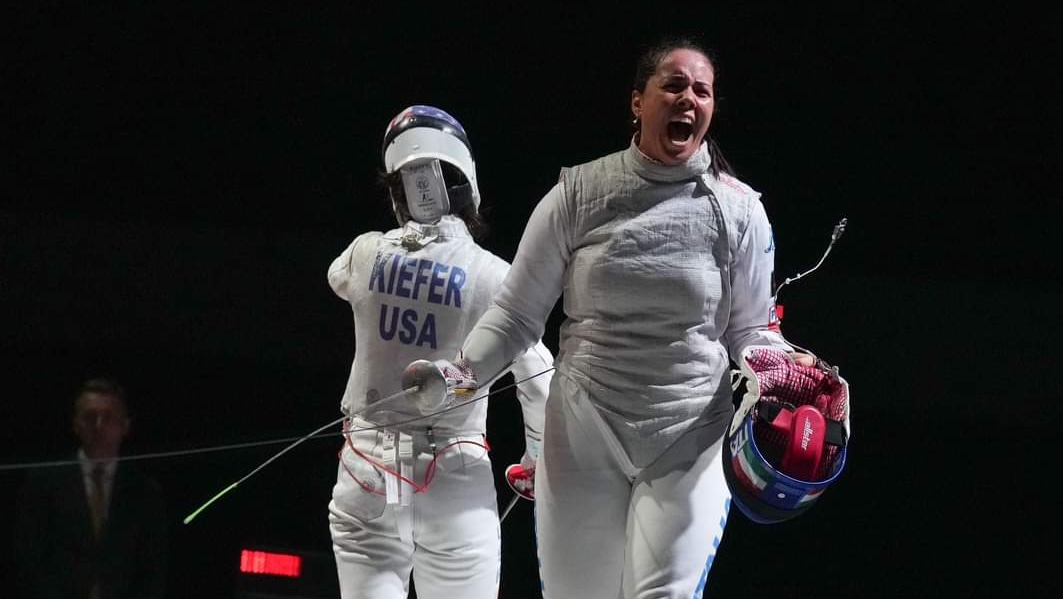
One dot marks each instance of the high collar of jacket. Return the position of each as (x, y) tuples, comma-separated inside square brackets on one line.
[(447, 226), (414, 235), (648, 168)]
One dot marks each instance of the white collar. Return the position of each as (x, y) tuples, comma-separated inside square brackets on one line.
[(648, 168), (87, 465)]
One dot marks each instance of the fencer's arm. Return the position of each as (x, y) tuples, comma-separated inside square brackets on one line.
[(534, 368), (361, 253), (517, 316), (751, 293)]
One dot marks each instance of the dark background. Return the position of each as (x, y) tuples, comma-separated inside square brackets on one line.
[(178, 178)]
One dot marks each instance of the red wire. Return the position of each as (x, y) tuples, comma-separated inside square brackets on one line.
[(429, 473)]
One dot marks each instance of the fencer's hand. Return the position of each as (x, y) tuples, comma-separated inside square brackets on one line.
[(459, 377), (802, 359), (435, 384), (527, 461), (521, 477)]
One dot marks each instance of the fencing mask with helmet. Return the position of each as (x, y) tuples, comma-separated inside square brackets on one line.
[(430, 150), (788, 439)]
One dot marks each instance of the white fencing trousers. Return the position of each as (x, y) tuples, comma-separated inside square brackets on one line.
[(448, 536), (605, 532)]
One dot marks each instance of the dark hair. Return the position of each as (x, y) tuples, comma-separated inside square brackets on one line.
[(392, 183), (103, 386), (648, 63)]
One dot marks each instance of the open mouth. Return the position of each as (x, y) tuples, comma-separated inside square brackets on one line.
[(680, 131)]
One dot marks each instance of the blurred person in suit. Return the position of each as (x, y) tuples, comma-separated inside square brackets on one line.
[(94, 528)]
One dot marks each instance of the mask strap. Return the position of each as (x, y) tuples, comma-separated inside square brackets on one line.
[(460, 197)]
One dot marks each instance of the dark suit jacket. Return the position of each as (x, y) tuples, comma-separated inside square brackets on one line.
[(57, 554)]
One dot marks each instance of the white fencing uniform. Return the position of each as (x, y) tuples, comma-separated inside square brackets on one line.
[(666, 274), (419, 494)]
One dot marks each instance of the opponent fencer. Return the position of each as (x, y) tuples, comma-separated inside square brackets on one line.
[(665, 261), (418, 495)]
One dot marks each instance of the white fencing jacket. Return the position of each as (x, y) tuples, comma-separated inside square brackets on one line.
[(415, 293), (666, 273)]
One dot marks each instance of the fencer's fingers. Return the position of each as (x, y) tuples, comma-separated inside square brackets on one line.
[(803, 359)]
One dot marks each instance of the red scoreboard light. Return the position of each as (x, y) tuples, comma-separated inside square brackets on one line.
[(266, 562), (267, 572)]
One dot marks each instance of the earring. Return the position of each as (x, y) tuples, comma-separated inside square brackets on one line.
[(635, 121)]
